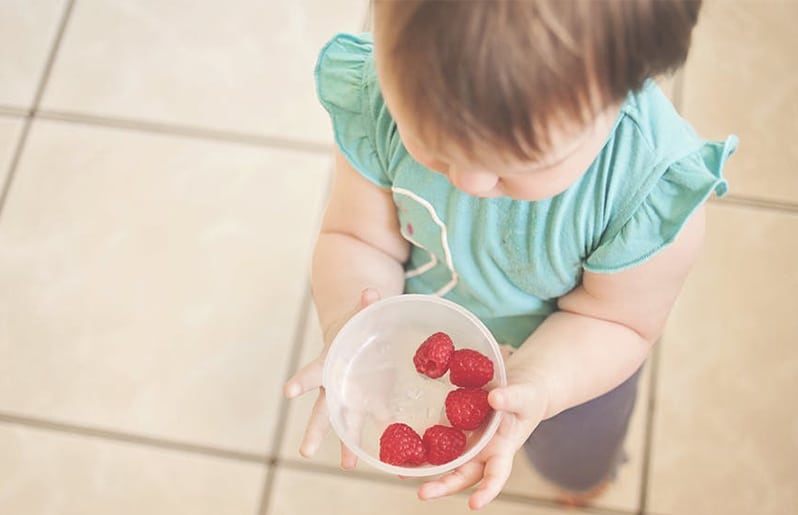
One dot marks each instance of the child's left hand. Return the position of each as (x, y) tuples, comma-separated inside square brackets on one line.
[(524, 404)]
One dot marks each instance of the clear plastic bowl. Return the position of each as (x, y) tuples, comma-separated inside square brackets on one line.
[(371, 382)]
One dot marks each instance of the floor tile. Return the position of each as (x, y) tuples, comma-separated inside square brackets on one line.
[(9, 138), (339, 495), (624, 492), (725, 439), (247, 67), (151, 284), (740, 78), (27, 32), (48, 473)]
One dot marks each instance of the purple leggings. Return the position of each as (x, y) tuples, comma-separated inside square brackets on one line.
[(583, 446)]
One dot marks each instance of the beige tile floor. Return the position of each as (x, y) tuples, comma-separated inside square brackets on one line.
[(166, 164)]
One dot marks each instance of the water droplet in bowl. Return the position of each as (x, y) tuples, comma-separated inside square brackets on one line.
[(414, 393)]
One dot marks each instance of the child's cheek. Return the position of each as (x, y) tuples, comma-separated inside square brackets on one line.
[(433, 164)]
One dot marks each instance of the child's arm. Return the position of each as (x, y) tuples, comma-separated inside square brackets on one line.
[(359, 246), (358, 257), (600, 336)]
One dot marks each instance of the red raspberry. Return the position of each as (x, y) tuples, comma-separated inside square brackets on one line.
[(443, 444), (467, 408), (470, 368), (432, 357), (400, 445)]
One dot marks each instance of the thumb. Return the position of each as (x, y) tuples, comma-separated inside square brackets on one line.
[(521, 398), (368, 296)]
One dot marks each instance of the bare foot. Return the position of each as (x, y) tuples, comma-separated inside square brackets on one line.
[(581, 499)]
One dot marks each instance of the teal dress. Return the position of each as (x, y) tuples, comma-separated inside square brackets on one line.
[(509, 260)]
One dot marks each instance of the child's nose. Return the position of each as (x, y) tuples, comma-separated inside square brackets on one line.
[(475, 183)]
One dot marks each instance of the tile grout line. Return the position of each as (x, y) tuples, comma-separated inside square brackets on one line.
[(679, 82), (48, 67), (757, 203), (648, 443), (185, 130), (11, 111), (5, 187), (43, 80), (117, 436), (282, 410)]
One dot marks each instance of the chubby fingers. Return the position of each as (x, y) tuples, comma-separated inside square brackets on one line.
[(523, 399), (500, 462), (306, 379), (317, 427), (368, 296), (354, 419), (508, 398), (464, 476), (348, 458), (497, 471)]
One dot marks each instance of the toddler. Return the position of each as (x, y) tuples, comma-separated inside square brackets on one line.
[(517, 157)]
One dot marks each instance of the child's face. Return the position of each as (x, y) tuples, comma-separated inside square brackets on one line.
[(572, 152)]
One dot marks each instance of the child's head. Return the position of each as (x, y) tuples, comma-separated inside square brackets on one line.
[(517, 97)]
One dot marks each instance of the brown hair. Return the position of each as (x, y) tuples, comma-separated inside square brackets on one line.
[(501, 71)]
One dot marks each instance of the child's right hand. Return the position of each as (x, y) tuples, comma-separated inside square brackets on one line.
[(309, 378)]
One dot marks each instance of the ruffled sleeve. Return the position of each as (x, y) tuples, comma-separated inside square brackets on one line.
[(656, 221), (342, 83)]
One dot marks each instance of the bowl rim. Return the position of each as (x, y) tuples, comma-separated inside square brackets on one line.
[(490, 429)]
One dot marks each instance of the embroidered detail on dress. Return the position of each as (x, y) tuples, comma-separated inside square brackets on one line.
[(444, 244)]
